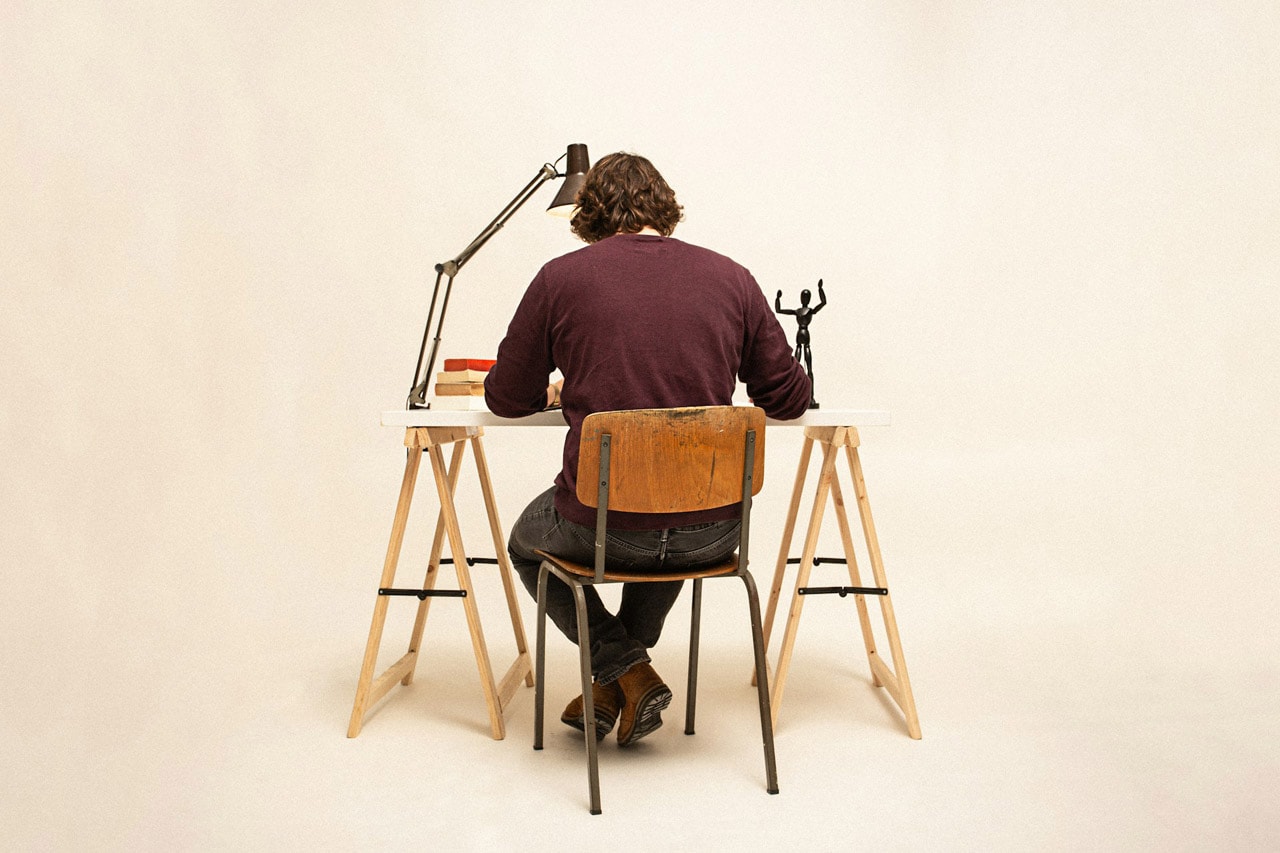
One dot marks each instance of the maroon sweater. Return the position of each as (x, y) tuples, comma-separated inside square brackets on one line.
[(638, 321)]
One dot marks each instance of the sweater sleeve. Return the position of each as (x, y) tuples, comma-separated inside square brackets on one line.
[(517, 384), (775, 381)]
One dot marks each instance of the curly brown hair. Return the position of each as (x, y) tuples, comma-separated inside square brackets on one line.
[(622, 194)]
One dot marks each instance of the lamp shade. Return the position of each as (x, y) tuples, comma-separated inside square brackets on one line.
[(575, 174)]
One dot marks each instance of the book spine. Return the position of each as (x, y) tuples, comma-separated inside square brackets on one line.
[(462, 376), (459, 404), (460, 389), (469, 363)]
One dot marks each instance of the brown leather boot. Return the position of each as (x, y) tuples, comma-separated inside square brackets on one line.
[(606, 698), (644, 698)]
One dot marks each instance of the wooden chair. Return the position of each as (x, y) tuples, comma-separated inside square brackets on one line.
[(661, 461)]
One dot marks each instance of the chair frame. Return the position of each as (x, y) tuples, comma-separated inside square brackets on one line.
[(614, 429)]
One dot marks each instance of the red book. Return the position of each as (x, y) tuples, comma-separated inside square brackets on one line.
[(469, 363)]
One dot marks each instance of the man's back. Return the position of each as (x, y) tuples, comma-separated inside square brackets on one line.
[(642, 321)]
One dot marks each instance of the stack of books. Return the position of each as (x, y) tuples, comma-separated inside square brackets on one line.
[(460, 386)]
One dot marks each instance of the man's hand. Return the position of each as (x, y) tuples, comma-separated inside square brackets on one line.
[(553, 393)]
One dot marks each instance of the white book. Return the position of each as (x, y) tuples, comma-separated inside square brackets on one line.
[(459, 404), (461, 375)]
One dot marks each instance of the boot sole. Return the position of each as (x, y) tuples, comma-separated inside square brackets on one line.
[(604, 725), (648, 714)]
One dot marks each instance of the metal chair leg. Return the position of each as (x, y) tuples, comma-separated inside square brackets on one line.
[(695, 633), (540, 659), (588, 700), (762, 685)]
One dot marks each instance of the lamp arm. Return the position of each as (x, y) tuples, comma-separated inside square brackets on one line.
[(449, 269), (546, 173), (421, 379)]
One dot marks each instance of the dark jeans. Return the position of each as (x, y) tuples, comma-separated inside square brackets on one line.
[(617, 642)]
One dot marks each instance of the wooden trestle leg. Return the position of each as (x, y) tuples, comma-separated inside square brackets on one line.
[(431, 442), (895, 679)]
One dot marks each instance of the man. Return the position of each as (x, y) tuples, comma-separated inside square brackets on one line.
[(635, 320)]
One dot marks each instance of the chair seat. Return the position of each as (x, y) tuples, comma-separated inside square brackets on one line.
[(726, 568)]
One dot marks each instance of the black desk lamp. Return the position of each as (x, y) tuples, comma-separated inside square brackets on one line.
[(575, 172)]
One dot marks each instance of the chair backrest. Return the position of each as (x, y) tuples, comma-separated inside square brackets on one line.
[(671, 460)]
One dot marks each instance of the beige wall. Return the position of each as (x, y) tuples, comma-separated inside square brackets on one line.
[(1048, 234)]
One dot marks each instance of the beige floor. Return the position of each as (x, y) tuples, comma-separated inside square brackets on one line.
[(1043, 729)]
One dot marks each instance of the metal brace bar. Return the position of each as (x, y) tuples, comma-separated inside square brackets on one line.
[(422, 594), (842, 591)]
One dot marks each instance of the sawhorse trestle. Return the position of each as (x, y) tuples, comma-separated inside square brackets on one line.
[(431, 441), (894, 680)]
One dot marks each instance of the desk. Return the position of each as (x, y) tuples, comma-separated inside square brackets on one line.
[(428, 431), (445, 418)]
